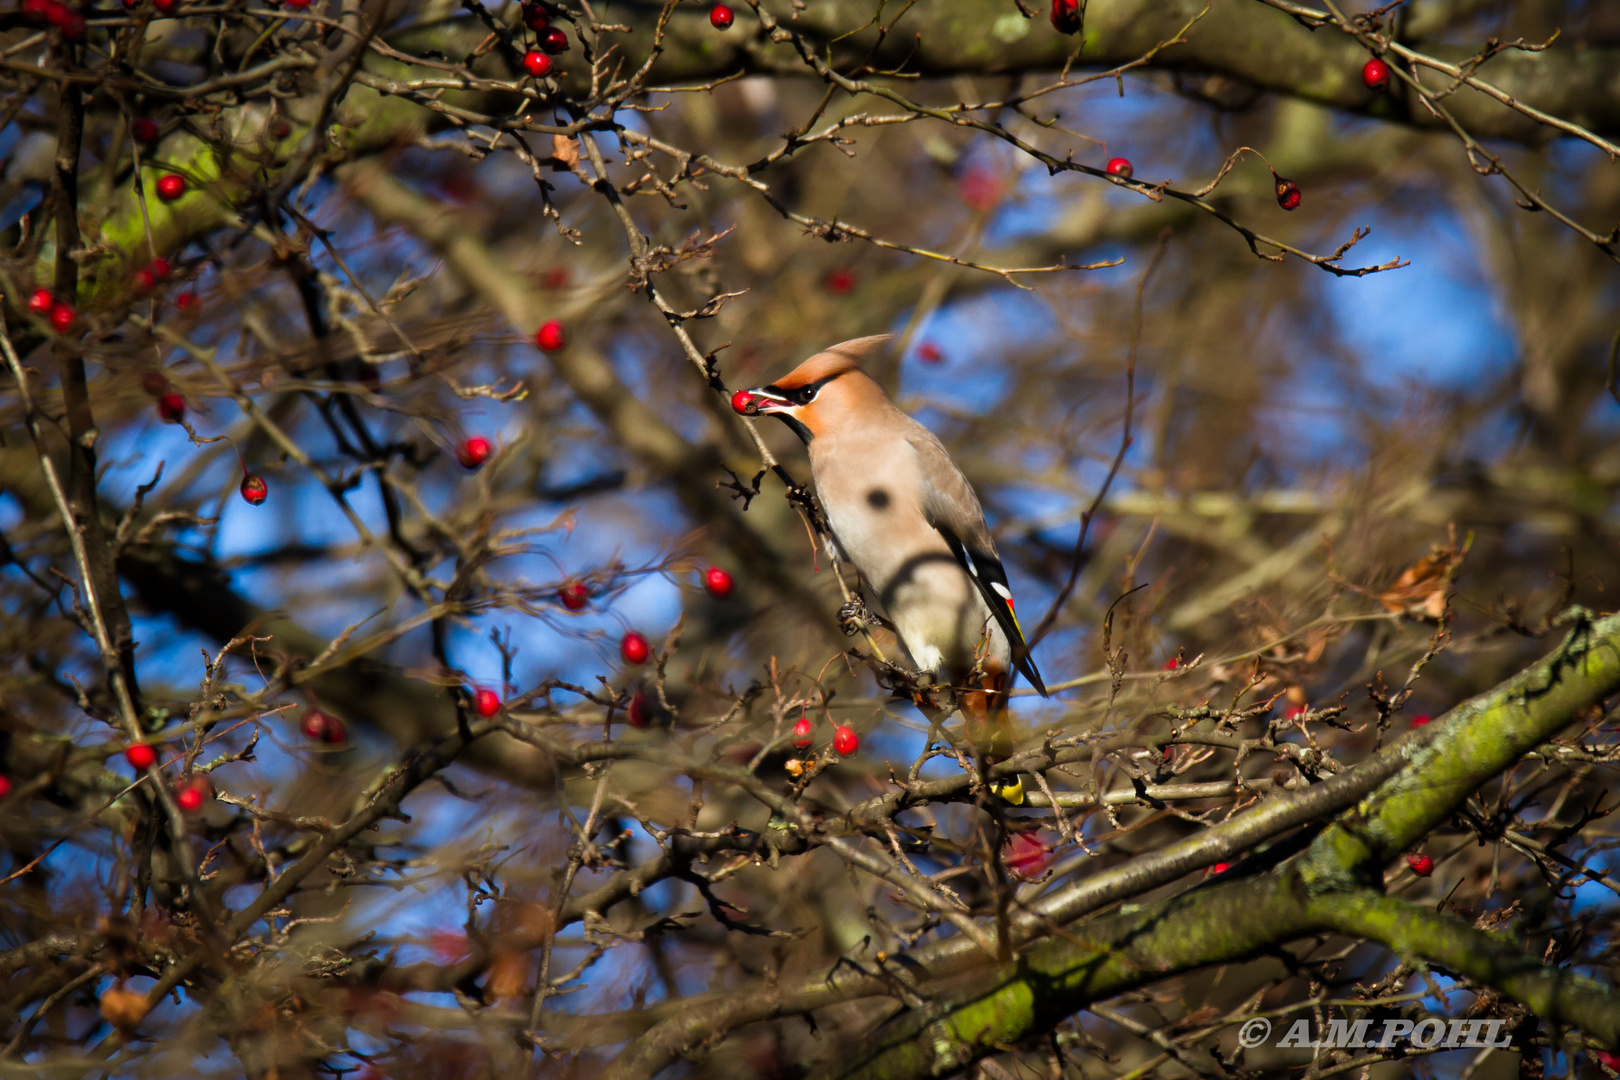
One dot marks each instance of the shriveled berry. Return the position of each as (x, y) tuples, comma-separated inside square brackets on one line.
[(254, 489), (634, 649), (144, 130), (803, 733), (1421, 864), (1375, 73), (62, 316), (845, 741), (140, 757), (171, 186), (552, 336), (1066, 16), (537, 63), (473, 452), (172, 407), (486, 702), (718, 581), (536, 17), (1287, 193), (1120, 167), (574, 596), (41, 302), (721, 17), (554, 40)]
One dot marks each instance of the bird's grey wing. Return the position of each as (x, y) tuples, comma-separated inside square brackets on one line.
[(952, 507)]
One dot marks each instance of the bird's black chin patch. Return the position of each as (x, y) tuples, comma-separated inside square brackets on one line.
[(798, 429)]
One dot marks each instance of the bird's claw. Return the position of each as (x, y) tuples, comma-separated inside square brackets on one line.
[(853, 617)]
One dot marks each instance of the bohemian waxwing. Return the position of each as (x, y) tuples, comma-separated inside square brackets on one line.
[(902, 512)]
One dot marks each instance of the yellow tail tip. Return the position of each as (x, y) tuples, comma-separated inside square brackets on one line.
[(1010, 791)]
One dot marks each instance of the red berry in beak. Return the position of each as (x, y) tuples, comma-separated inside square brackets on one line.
[(1066, 16), (574, 596), (254, 489), (634, 648), (1421, 865), (41, 302), (802, 733), (141, 757), (551, 336), (1375, 73), (845, 741), (486, 703), (718, 581), (1287, 193), (744, 403), (721, 17), (1120, 167), (474, 452)]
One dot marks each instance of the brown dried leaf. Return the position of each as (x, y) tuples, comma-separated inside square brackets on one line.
[(565, 148), (121, 1007), (1421, 588)]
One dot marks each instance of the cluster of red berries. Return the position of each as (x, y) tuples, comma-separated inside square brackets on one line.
[(845, 739), (58, 312), (53, 13), (553, 39), (171, 406)]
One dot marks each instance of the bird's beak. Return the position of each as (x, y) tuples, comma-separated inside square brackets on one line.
[(758, 402)]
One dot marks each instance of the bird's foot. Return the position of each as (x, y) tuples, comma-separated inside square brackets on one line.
[(854, 617)]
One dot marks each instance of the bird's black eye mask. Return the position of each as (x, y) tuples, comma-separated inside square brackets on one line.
[(798, 395)]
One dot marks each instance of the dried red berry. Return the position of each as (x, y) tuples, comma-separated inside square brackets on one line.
[(1375, 73), (1066, 16), (141, 757), (634, 649), (486, 702), (574, 596), (718, 581), (845, 741), (171, 186), (536, 17), (144, 130), (551, 337), (172, 407), (803, 732), (1287, 193), (721, 17), (41, 302), (474, 452), (1421, 864), (537, 63), (554, 40), (1120, 167), (254, 489)]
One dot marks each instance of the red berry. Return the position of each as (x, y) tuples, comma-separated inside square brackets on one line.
[(721, 17), (254, 489), (742, 402), (1120, 167), (845, 741), (551, 336), (536, 17), (190, 797), (1294, 710), (41, 302), (1287, 193), (1026, 853), (802, 732), (634, 648), (323, 727), (1220, 868), (171, 186), (145, 280), (141, 757), (1375, 73), (840, 281), (1609, 1060), (154, 382), (474, 452), (172, 407), (1171, 664), (5, 785), (73, 27), (1420, 719), (556, 278), (167, 7), (929, 353), (160, 267), (537, 63), (1421, 865), (298, 5), (1066, 16), (637, 713), (56, 14), (187, 301), (554, 40), (718, 581), (574, 596), (279, 128), (34, 10), (486, 702), (62, 317), (144, 130)]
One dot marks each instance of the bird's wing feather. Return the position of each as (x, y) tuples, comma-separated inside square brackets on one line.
[(952, 508)]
